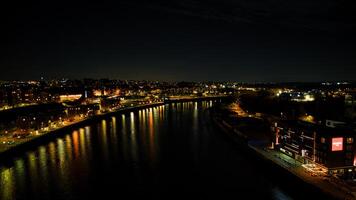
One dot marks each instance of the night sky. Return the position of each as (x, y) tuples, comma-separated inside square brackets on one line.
[(237, 40)]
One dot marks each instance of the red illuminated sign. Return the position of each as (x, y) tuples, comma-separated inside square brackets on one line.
[(337, 144)]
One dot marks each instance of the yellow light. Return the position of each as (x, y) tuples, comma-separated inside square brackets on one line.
[(71, 97)]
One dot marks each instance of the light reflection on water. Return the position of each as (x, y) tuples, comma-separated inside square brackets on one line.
[(150, 146), (102, 131), (113, 135), (133, 140), (7, 183)]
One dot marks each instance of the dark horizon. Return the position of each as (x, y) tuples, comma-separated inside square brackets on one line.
[(243, 41), (332, 82)]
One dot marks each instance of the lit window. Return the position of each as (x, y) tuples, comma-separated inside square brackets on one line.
[(350, 140), (322, 140)]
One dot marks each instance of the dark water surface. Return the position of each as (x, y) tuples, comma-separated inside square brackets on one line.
[(170, 151)]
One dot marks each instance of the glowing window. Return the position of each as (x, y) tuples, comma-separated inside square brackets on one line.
[(350, 140), (322, 140)]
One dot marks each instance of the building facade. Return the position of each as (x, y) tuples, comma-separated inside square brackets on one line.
[(333, 149)]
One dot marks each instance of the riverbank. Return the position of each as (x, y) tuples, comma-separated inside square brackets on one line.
[(33, 141), (287, 168)]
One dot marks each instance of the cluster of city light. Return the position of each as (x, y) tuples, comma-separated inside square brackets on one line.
[(315, 169), (304, 98), (71, 97)]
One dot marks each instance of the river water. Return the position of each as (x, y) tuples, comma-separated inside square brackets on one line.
[(170, 151)]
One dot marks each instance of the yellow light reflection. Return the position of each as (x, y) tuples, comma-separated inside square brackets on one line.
[(52, 154), (61, 152), (151, 139), (82, 142), (134, 151), (114, 135), (69, 148), (20, 174), (124, 137), (7, 184), (43, 162), (104, 138), (33, 169), (75, 143), (87, 138)]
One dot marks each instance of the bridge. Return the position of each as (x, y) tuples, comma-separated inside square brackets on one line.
[(174, 99)]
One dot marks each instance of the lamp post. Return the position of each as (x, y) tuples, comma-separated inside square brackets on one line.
[(314, 145)]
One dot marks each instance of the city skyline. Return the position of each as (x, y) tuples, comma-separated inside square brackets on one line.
[(182, 41)]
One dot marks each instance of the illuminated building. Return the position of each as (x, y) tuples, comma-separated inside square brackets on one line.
[(331, 148)]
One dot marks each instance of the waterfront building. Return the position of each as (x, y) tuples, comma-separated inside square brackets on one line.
[(332, 149)]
